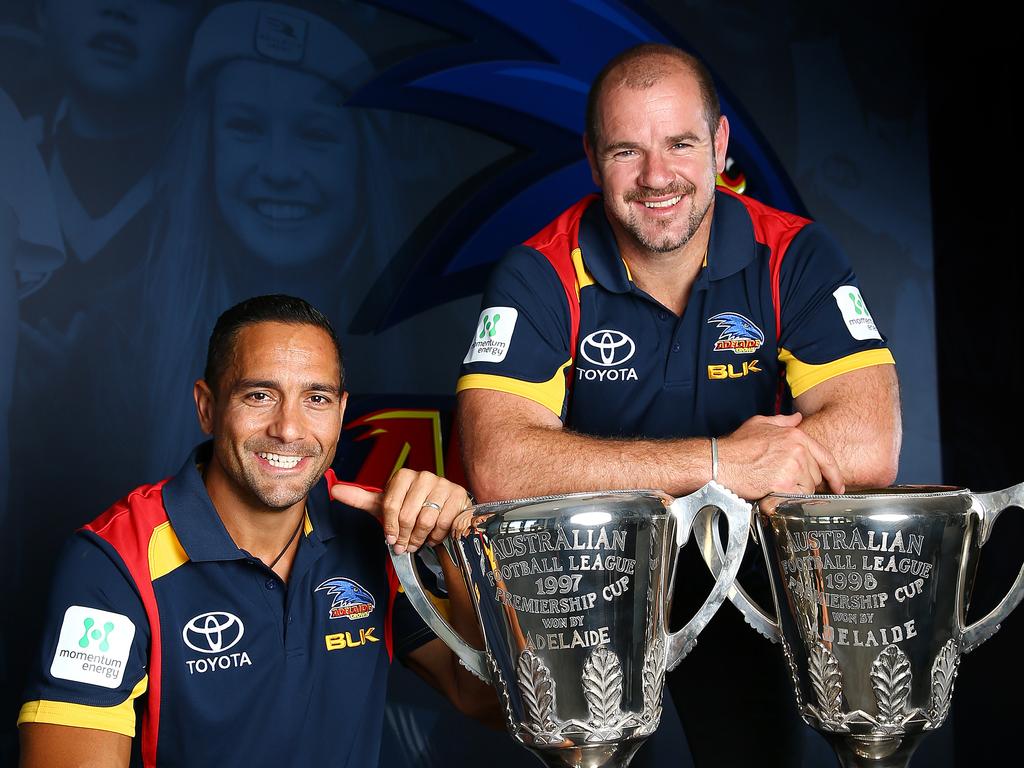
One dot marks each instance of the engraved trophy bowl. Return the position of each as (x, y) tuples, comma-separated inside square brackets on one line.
[(572, 596), (871, 590)]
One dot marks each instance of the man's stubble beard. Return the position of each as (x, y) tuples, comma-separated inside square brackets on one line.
[(695, 217)]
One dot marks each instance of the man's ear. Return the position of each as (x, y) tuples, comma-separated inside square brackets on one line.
[(591, 160), (344, 402), (721, 139), (205, 405)]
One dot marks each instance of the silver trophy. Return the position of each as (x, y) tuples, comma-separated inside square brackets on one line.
[(572, 594), (871, 590)]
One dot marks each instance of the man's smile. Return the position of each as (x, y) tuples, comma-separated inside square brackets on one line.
[(280, 460)]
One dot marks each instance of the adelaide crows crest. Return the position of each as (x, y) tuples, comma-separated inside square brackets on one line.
[(739, 336), (351, 601)]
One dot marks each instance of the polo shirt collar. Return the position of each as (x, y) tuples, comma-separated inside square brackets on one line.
[(198, 526), (731, 247), (600, 251)]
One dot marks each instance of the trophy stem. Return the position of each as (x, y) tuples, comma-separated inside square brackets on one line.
[(607, 755), (874, 751)]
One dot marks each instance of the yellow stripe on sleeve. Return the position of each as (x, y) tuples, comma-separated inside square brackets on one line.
[(119, 718), (165, 551), (550, 393), (802, 376)]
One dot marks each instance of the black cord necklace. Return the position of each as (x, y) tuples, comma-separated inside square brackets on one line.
[(291, 539)]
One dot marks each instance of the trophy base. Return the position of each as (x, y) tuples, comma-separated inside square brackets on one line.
[(874, 751), (610, 755)]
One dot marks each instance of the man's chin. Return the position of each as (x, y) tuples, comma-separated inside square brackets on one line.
[(282, 497), (280, 501)]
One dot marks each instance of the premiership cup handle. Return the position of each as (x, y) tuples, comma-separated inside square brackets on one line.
[(685, 510), (472, 659), (989, 507), (764, 623)]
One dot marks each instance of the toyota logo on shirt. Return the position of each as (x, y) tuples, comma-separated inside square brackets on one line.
[(607, 348), (213, 632)]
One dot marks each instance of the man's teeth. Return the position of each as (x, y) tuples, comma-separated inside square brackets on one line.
[(276, 460), (664, 203)]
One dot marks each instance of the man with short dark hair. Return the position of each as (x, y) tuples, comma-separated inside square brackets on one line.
[(247, 618), (668, 333)]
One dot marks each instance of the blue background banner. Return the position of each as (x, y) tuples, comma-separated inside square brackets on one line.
[(376, 158)]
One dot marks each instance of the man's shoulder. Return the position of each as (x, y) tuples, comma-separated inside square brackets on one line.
[(770, 225), (129, 523), (548, 263), (561, 234)]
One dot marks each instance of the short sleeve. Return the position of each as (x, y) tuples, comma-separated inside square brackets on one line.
[(91, 664), (520, 344), (826, 327)]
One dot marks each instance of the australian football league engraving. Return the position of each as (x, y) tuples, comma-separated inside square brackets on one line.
[(571, 593), (871, 591)]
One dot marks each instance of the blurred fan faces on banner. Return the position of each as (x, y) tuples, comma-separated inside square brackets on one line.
[(267, 184)]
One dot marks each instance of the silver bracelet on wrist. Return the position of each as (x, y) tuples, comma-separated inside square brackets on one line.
[(714, 458)]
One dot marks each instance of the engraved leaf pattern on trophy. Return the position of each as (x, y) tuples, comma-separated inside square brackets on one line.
[(654, 685), (602, 687), (890, 678), (827, 682), (943, 674), (538, 692)]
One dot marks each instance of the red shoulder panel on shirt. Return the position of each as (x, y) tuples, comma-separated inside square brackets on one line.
[(128, 527), (775, 229), (556, 242)]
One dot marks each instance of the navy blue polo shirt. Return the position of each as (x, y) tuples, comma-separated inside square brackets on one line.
[(156, 614), (775, 310)]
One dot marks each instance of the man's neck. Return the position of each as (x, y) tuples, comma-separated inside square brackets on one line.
[(667, 277), (261, 531)]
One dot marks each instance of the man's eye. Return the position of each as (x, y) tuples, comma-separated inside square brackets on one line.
[(257, 397), (319, 399), (624, 154), (682, 145)]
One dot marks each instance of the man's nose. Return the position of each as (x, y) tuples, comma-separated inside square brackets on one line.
[(654, 171), (288, 425)]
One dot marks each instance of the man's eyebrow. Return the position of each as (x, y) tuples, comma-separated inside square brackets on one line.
[(689, 137), (620, 145), (256, 384), (316, 386), (309, 386)]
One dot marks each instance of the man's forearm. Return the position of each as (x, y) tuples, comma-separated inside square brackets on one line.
[(863, 433), (527, 460)]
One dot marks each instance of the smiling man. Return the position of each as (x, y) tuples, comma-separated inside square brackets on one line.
[(667, 333), (245, 617)]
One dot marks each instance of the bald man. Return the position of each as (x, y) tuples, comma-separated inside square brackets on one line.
[(668, 332)]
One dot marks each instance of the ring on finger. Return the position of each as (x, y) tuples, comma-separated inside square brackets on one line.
[(431, 504)]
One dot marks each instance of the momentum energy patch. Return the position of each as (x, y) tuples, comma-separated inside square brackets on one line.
[(93, 646), (492, 336), (855, 313)]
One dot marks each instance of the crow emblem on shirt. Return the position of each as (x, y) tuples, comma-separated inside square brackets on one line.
[(351, 601), (739, 335)]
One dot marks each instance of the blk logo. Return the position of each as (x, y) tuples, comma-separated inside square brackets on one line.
[(213, 632), (607, 348)]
